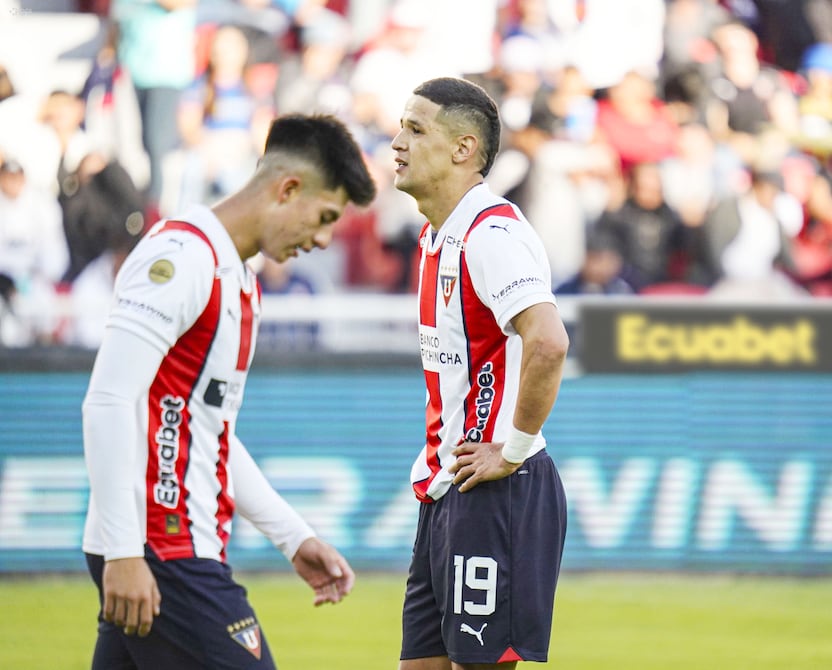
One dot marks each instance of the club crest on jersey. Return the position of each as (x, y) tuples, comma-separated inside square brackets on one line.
[(447, 282), (246, 633)]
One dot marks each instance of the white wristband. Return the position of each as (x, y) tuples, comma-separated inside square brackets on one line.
[(517, 446)]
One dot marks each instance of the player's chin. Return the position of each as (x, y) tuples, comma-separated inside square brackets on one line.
[(286, 255), (400, 182)]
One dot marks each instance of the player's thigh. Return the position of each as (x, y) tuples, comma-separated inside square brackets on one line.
[(111, 652), (503, 542), (116, 651), (421, 613), (207, 613), (152, 652)]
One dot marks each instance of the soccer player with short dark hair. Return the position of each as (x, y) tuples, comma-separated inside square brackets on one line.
[(167, 471), (492, 522)]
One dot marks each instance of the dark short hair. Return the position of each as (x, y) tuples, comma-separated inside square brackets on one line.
[(471, 102), (326, 143)]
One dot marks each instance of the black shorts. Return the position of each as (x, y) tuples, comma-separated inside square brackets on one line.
[(485, 566), (206, 622)]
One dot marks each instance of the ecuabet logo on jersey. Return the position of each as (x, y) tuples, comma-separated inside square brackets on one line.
[(161, 271), (447, 282), (246, 633)]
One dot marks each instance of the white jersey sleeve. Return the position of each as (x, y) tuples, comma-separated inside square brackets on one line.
[(163, 287), (258, 502), (508, 268), (124, 367)]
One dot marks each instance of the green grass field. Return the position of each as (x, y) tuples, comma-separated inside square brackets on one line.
[(602, 622)]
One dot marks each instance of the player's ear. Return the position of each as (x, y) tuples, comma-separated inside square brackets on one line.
[(466, 148), (287, 187)]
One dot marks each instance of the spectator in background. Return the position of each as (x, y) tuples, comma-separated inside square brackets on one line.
[(101, 207), (605, 39), (13, 332), (317, 78), (572, 101), (222, 125), (156, 45), (520, 76), (747, 97), (698, 174), (388, 69), (601, 270), (808, 180), (689, 59), (534, 21), (815, 102), (561, 186), (63, 115), (102, 212), (747, 249), (112, 119), (787, 29), (33, 254), (649, 232), (635, 122), (6, 86)]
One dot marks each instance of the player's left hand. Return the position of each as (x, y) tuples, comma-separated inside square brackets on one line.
[(478, 462), (324, 569)]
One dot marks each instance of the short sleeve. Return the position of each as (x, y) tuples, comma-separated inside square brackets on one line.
[(163, 287), (508, 268)]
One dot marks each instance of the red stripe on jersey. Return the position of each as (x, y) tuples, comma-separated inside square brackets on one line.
[(486, 348), (225, 503), (246, 320), (433, 422), (428, 287), (169, 437)]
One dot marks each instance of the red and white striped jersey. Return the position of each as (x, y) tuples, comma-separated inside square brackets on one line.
[(484, 266), (185, 290)]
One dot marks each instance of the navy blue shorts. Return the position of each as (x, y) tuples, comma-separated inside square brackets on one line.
[(485, 565), (206, 622)]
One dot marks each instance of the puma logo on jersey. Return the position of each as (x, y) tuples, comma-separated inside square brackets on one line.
[(503, 227), (465, 628)]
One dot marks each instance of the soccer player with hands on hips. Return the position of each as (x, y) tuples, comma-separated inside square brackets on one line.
[(489, 541), (167, 471)]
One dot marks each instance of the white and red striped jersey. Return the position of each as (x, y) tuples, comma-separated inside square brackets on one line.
[(185, 290), (484, 266)]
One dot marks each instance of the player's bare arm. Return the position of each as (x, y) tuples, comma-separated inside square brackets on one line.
[(545, 344)]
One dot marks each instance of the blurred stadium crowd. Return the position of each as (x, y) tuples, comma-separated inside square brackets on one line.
[(658, 146)]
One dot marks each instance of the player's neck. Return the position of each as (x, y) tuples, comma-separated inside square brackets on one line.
[(437, 209)]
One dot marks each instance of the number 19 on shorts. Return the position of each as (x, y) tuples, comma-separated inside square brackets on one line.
[(478, 573)]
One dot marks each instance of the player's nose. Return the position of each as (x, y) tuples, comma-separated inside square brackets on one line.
[(323, 238)]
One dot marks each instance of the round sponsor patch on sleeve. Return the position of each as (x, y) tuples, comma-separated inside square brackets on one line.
[(161, 271)]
